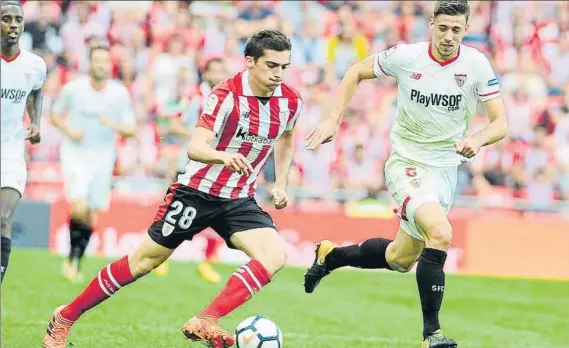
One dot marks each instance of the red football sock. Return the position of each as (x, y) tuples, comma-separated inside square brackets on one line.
[(107, 282), (210, 248), (242, 285)]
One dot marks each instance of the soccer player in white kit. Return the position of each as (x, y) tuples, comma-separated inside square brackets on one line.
[(439, 85), (23, 75), (91, 111)]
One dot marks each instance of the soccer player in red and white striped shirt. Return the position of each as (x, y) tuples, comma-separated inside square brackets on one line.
[(244, 119)]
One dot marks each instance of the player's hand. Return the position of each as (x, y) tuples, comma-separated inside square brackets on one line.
[(75, 135), (33, 134), (468, 147), (280, 198), (237, 163), (323, 133)]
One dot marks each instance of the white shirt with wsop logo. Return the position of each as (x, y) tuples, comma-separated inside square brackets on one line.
[(20, 75), (436, 101)]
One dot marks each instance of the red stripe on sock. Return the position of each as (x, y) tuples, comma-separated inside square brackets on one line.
[(94, 294), (237, 290)]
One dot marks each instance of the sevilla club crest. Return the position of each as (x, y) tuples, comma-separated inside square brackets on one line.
[(460, 79)]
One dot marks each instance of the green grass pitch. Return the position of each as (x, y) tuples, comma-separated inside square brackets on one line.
[(350, 309)]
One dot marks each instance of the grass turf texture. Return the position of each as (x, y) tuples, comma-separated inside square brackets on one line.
[(349, 309)]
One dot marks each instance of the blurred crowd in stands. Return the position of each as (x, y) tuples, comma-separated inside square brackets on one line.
[(160, 50)]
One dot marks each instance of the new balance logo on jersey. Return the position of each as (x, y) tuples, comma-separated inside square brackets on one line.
[(451, 101), (416, 76), (252, 138), (16, 95)]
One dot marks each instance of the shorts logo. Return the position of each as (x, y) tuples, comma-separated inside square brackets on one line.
[(167, 229), (460, 79), (411, 172), (416, 183), (210, 104), (492, 82)]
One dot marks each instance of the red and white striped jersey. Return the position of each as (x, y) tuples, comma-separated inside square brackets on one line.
[(242, 124)]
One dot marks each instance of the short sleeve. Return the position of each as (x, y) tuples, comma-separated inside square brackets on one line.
[(63, 101), (487, 85), (218, 106), (297, 110), (41, 76), (387, 62)]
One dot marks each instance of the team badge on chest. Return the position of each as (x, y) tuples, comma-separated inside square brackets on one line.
[(460, 79)]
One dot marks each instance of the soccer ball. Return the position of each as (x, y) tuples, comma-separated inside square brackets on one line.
[(258, 332)]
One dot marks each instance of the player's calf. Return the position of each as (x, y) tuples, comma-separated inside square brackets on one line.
[(369, 254), (265, 248), (432, 220), (147, 257), (116, 275)]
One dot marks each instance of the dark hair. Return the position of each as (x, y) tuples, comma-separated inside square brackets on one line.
[(266, 40), (97, 48), (452, 8), (210, 62)]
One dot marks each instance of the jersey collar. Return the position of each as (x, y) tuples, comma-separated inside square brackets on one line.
[(8, 60), (446, 62)]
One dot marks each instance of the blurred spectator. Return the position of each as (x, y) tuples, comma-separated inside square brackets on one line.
[(361, 171), (165, 69), (345, 49)]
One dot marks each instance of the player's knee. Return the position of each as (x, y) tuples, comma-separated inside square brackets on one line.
[(272, 258), (81, 212), (438, 235)]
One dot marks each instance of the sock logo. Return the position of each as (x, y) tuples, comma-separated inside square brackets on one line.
[(438, 288)]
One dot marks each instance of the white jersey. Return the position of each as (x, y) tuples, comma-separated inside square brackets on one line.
[(436, 101), (22, 74), (83, 107)]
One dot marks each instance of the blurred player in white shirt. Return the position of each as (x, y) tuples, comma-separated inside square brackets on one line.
[(91, 111), (23, 76), (439, 85)]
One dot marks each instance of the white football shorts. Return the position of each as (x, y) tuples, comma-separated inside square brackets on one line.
[(14, 171), (87, 175), (413, 184)]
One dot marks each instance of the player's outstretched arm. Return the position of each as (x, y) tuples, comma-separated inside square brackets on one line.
[(495, 131), (200, 150), (33, 106), (326, 129)]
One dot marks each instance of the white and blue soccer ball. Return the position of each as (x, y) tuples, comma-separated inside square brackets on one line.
[(258, 332)]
